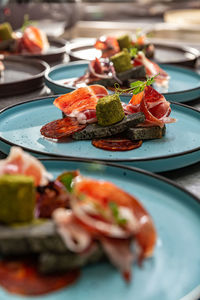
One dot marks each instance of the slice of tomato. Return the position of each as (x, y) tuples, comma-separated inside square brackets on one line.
[(116, 144), (61, 128)]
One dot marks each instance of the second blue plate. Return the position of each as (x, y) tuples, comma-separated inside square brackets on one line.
[(20, 125), (184, 84)]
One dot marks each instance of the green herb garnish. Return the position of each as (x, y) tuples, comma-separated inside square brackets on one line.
[(136, 87), (27, 22), (115, 212), (133, 51), (138, 33), (66, 179)]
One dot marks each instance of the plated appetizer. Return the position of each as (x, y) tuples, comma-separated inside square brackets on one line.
[(90, 113), (62, 224), (30, 41), (124, 67), (111, 45)]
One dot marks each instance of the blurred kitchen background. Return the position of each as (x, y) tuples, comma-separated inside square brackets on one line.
[(162, 20)]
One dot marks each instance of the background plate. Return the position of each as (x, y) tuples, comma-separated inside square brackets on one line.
[(177, 239), (55, 54), (22, 75), (178, 55), (20, 125), (184, 84)]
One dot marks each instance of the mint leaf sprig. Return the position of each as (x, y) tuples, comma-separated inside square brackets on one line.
[(136, 87)]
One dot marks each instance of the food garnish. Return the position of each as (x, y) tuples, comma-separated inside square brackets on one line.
[(83, 220)]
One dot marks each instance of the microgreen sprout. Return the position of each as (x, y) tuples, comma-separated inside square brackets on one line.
[(115, 212), (136, 87), (27, 22)]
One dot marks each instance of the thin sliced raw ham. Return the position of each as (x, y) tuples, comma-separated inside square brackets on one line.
[(80, 100), (116, 144), (34, 40), (109, 46), (154, 105), (152, 69), (20, 162), (119, 253), (61, 128), (101, 196), (75, 237)]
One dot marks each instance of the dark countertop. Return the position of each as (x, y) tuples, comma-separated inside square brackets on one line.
[(188, 177)]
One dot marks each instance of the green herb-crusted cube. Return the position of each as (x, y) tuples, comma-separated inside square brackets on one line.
[(124, 41), (5, 32), (122, 61), (109, 110), (17, 198)]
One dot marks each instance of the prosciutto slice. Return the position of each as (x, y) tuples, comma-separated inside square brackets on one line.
[(108, 45), (20, 162), (33, 41), (152, 69), (101, 211), (154, 105), (81, 103)]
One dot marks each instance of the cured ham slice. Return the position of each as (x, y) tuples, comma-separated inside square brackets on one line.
[(154, 106), (137, 222), (109, 46), (116, 144), (61, 128), (76, 238), (81, 101), (119, 253), (20, 162), (152, 69), (34, 40)]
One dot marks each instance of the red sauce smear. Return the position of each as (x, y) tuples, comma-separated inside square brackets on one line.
[(22, 277)]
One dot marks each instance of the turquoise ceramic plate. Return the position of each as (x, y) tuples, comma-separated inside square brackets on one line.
[(184, 84), (20, 125), (172, 272)]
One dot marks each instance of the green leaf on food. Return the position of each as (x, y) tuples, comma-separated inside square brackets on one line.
[(27, 22), (133, 51), (115, 212), (66, 179), (135, 87)]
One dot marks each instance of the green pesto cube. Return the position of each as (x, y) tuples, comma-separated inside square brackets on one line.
[(17, 198), (124, 41), (122, 61), (109, 110)]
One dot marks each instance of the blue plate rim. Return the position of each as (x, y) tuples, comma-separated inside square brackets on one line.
[(106, 160), (47, 78), (132, 169)]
